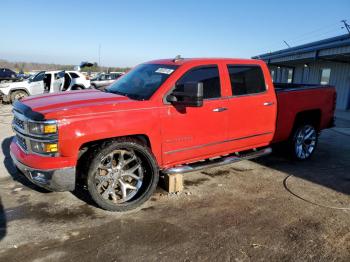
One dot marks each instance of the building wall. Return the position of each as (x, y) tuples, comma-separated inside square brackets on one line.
[(339, 77)]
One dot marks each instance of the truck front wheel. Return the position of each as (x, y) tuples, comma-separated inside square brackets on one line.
[(303, 142), (123, 174)]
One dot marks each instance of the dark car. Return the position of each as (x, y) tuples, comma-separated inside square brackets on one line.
[(7, 74)]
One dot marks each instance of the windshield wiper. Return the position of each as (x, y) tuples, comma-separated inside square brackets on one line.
[(131, 96)]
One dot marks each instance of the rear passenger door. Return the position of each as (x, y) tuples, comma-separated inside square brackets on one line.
[(252, 107)]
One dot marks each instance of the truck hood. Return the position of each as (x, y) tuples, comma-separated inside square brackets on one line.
[(66, 104), (14, 84)]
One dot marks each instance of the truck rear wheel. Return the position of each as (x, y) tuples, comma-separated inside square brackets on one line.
[(18, 95), (303, 142), (122, 175)]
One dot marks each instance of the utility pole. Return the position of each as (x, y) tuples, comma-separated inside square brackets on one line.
[(286, 44), (346, 25), (99, 56)]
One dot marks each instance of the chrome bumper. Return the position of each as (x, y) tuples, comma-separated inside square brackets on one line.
[(52, 179)]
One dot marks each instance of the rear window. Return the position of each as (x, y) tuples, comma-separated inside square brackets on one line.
[(246, 79)]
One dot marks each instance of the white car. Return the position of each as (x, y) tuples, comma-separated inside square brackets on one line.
[(44, 82)]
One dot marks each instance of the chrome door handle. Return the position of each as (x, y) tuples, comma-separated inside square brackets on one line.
[(220, 109), (268, 103)]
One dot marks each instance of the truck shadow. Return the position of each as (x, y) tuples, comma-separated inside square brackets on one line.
[(12, 170), (328, 167), (3, 223)]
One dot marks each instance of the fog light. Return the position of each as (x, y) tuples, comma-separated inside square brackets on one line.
[(49, 148), (44, 147), (39, 177)]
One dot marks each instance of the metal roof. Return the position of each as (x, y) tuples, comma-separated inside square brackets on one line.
[(333, 42)]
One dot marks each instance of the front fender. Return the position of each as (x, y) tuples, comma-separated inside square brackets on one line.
[(74, 132)]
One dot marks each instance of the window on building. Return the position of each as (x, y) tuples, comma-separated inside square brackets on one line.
[(246, 79), (325, 76), (208, 75), (290, 72), (273, 73)]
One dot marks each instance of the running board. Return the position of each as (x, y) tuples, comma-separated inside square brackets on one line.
[(216, 162)]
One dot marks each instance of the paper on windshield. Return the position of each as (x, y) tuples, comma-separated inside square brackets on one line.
[(166, 71)]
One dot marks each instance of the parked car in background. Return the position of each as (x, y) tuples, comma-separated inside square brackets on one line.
[(103, 80), (176, 116), (7, 75), (44, 82)]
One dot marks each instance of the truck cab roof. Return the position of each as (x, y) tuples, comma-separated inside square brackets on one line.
[(182, 61)]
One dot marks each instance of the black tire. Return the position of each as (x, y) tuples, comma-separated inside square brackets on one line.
[(111, 180), (76, 87), (303, 141), (18, 95)]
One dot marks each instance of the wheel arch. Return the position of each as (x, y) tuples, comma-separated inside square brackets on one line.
[(312, 116), (86, 151), (19, 89), (144, 139)]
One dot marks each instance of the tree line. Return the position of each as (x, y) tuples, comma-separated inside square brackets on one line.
[(30, 66)]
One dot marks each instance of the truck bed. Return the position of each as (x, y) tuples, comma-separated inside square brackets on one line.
[(295, 98)]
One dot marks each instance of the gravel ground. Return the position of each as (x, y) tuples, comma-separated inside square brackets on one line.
[(266, 209)]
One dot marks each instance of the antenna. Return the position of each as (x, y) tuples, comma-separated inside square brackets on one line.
[(177, 58), (287, 44), (346, 25)]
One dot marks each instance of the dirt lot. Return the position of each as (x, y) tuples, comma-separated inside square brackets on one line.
[(267, 209)]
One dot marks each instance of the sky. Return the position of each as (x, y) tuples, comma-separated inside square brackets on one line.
[(133, 31)]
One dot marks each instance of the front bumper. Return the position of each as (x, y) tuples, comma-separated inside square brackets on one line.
[(62, 179)]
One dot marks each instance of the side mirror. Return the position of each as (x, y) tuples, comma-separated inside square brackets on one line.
[(188, 94)]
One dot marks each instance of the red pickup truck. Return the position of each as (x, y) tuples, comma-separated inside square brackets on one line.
[(169, 116)]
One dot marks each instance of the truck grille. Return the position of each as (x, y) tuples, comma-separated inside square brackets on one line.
[(21, 142), (18, 122)]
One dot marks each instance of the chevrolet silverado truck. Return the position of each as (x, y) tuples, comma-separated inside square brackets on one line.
[(166, 116)]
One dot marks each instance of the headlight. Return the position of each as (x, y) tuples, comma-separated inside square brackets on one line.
[(4, 85), (44, 147), (44, 128)]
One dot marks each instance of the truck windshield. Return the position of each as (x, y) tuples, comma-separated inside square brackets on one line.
[(141, 82)]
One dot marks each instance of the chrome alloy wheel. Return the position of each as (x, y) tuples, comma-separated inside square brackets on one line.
[(305, 141), (119, 176)]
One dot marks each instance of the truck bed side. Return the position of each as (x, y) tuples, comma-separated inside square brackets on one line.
[(294, 102)]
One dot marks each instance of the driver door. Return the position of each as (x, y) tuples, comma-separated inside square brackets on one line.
[(37, 84), (193, 133)]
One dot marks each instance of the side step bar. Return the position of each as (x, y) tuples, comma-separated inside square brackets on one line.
[(216, 162)]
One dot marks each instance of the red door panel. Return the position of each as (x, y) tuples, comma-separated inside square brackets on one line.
[(252, 107), (193, 132)]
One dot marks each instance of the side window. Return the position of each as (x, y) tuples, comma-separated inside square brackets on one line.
[(39, 77), (208, 75), (74, 75), (247, 79)]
